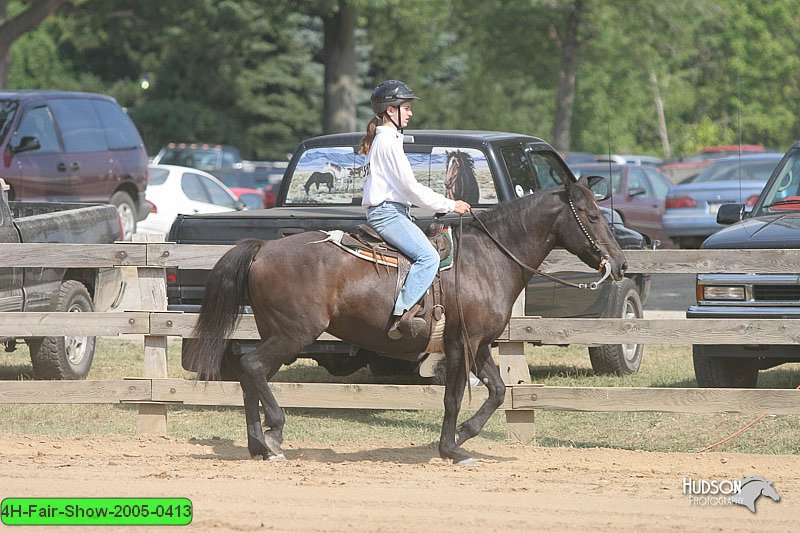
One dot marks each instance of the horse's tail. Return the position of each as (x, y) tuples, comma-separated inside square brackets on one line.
[(225, 291)]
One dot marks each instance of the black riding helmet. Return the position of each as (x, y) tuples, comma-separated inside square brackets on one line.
[(390, 93)]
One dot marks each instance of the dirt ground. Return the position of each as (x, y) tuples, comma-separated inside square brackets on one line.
[(402, 486)]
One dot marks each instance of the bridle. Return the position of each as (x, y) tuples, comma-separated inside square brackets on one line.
[(604, 266)]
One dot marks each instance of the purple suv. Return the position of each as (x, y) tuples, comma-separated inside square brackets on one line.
[(73, 147)]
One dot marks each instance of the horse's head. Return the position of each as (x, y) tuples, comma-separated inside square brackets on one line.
[(451, 175), (582, 229)]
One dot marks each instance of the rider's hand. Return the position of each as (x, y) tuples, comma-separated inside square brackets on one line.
[(462, 207)]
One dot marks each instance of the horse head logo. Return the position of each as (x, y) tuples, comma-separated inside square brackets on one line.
[(752, 488), (460, 182)]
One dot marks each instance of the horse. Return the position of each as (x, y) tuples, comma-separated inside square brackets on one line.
[(299, 287), (316, 178), (754, 487), (460, 182), (340, 174)]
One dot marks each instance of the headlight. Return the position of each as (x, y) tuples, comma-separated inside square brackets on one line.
[(723, 293)]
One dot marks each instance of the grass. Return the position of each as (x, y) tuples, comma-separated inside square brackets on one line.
[(663, 366)]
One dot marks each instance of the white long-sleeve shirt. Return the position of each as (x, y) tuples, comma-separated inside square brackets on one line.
[(390, 177)]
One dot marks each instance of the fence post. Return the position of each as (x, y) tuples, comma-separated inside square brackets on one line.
[(514, 370), (152, 418)]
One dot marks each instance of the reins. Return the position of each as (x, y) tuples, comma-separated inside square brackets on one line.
[(605, 264)]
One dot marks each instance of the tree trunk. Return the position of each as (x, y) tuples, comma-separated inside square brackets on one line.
[(339, 105), (662, 122), (570, 46), (11, 30)]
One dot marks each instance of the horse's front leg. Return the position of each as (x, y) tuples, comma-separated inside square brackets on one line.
[(490, 375), (453, 395)]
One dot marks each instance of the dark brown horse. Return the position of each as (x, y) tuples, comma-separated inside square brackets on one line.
[(299, 289), (325, 178), (460, 182)]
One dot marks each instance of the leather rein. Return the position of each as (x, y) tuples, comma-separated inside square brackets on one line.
[(605, 264)]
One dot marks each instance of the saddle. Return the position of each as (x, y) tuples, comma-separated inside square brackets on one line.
[(367, 244)]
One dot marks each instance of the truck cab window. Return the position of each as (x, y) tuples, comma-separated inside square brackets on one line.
[(329, 175), (519, 170)]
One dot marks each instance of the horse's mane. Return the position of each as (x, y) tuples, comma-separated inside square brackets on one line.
[(470, 161), (514, 212)]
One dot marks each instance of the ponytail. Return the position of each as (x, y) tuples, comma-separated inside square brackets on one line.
[(366, 141)]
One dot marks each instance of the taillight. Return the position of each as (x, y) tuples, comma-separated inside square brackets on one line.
[(750, 202), (676, 203), (269, 200), (172, 277), (151, 207)]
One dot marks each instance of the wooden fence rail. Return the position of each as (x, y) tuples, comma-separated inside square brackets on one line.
[(154, 390)]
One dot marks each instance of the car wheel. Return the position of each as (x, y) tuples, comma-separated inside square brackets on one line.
[(127, 213), (68, 357), (620, 359), (723, 372)]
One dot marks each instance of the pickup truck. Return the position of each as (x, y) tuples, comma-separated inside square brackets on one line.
[(57, 289), (774, 222), (321, 190)]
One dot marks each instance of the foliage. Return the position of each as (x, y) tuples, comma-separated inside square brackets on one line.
[(250, 73)]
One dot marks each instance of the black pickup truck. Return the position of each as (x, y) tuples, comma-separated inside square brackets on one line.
[(774, 222), (321, 190), (57, 289)]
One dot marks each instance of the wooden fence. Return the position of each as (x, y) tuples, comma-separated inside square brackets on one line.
[(154, 391)]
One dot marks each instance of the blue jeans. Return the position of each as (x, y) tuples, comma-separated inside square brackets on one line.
[(393, 222)]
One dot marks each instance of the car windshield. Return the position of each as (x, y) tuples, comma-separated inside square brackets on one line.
[(758, 170), (783, 193), (8, 108)]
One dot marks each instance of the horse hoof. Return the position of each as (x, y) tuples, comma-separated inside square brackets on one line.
[(277, 458), (273, 446), (469, 461)]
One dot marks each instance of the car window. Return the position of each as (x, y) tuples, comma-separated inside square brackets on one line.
[(217, 194), (329, 175), (158, 176), (192, 187), (118, 128), (8, 110), (783, 193), (616, 174), (660, 184), (735, 170), (637, 180), (519, 170), (229, 158), (81, 129), (549, 169), (38, 122)]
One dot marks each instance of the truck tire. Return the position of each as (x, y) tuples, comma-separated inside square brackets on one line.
[(127, 213), (65, 357), (723, 372), (620, 359)]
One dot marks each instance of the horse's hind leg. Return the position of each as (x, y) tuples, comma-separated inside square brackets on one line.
[(259, 366), (490, 375)]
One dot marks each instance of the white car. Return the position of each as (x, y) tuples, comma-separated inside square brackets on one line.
[(175, 190)]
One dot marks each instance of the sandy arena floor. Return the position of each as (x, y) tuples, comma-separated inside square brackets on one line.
[(402, 486)]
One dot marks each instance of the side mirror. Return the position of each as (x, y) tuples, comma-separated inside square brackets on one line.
[(600, 187), (730, 213), (26, 144), (240, 205)]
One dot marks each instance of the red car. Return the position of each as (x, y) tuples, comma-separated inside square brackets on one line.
[(252, 198)]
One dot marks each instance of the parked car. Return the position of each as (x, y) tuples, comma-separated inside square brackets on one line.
[(632, 159), (691, 208), (689, 167), (638, 194), (251, 198), (178, 190), (773, 223), (73, 147)]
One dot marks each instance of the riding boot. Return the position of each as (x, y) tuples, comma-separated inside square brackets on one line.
[(407, 325)]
